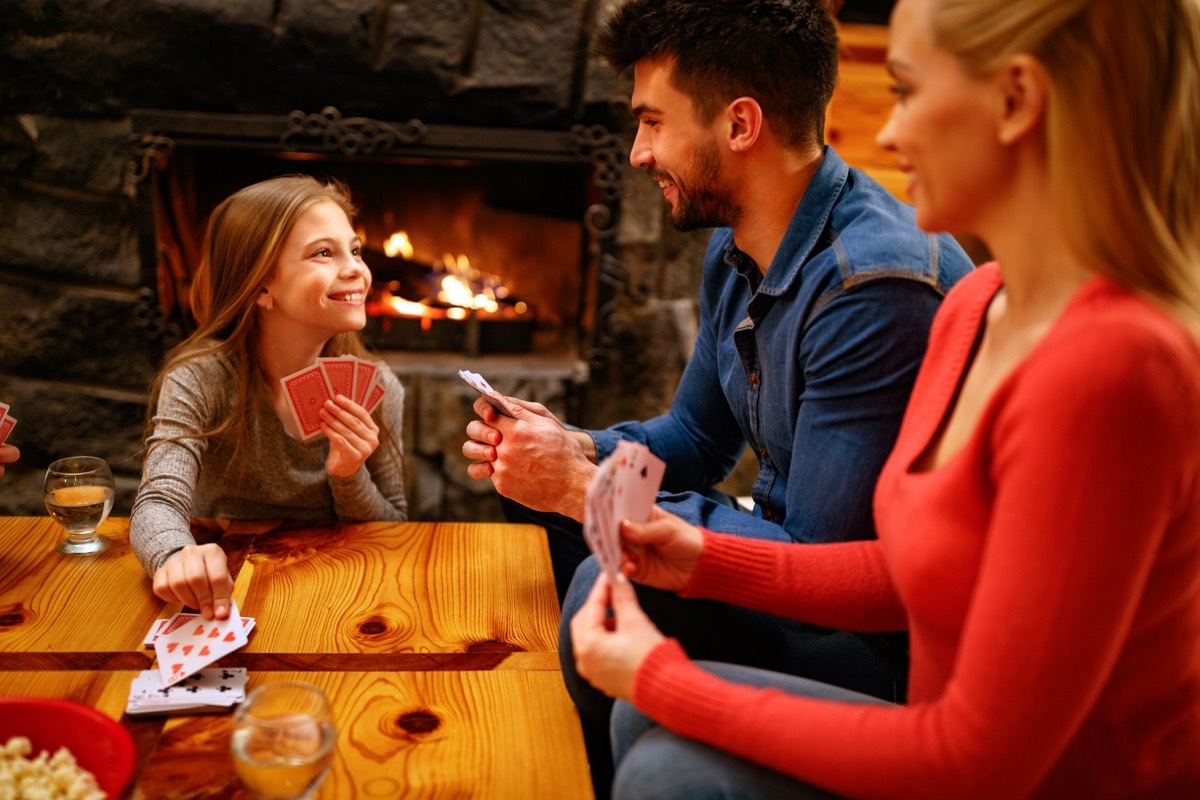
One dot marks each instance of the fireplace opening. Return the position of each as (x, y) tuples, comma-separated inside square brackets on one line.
[(478, 242)]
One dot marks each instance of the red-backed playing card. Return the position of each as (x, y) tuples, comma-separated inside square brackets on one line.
[(6, 426), (365, 374), (307, 392), (374, 396), (339, 372)]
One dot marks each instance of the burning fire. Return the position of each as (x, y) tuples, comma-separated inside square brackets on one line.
[(463, 289)]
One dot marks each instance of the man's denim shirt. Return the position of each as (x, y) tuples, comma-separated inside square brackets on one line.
[(811, 364)]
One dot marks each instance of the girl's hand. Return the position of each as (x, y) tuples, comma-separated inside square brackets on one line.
[(662, 552), (198, 577), (609, 651), (353, 435)]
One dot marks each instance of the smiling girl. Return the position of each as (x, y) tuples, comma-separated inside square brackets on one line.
[(281, 282)]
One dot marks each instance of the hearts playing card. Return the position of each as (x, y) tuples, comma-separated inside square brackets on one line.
[(162, 626), (196, 644), (479, 384)]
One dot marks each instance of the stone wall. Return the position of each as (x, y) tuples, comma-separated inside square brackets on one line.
[(77, 318)]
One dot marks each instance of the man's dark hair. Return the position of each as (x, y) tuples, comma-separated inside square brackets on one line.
[(783, 53)]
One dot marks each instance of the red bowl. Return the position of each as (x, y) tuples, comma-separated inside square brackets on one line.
[(100, 745)]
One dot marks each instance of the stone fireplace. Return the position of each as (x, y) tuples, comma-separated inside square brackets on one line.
[(458, 122)]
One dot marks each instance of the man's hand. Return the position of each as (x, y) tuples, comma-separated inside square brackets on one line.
[(532, 458), (610, 650), (198, 577), (662, 552)]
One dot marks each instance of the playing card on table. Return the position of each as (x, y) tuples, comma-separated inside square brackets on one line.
[(216, 689), (479, 384), (169, 624), (307, 391), (339, 374), (196, 644)]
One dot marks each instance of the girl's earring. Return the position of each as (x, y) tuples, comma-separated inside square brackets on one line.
[(270, 303)]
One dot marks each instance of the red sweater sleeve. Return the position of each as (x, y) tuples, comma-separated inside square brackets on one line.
[(843, 585), (1085, 570)]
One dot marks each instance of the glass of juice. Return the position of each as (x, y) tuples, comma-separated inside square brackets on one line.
[(79, 494), (283, 740)]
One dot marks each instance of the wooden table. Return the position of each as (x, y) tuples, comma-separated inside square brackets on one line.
[(436, 644)]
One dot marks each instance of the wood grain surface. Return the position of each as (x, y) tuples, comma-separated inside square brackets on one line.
[(414, 735), (412, 588), (51, 603)]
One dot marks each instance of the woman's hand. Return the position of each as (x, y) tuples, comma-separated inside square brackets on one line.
[(353, 435), (198, 577), (609, 650), (662, 552)]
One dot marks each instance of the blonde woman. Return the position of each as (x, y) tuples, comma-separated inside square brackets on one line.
[(281, 282), (1039, 517)]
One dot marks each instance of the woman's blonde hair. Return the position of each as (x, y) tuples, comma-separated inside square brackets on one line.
[(1122, 123), (241, 247)]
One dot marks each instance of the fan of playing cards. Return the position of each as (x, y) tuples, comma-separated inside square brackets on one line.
[(185, 644), (308, 389), (624, 487), (7, 422)]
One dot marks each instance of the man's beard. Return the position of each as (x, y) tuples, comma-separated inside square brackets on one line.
[(704, 202)]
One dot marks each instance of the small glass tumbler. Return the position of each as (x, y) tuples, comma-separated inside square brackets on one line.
[(283, 741), (78, 491)]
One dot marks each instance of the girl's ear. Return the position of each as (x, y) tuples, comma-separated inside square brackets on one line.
[(1022, 86), (264, 300)]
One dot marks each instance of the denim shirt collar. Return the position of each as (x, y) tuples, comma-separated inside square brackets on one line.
[(803, 233)]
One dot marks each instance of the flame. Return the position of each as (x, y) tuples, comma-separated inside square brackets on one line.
[(462, 286), (398, 244), (407, 308)]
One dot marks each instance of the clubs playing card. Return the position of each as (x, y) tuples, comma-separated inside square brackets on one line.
[(624, 487), (307, 392), (479, 384), (207, 690), (196, 644)]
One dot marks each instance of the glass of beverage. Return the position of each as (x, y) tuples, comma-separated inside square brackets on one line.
[(79, 494), (283, 740)]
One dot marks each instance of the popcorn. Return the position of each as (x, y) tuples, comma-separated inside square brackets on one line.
[(45, 777)]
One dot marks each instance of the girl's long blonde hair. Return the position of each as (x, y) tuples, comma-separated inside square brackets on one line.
[(241, 247), (1122, 121)]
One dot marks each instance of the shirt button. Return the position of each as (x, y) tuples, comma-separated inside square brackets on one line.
[(762, 452), (753, 379)]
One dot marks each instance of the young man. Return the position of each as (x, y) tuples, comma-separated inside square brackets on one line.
[(815, 306)]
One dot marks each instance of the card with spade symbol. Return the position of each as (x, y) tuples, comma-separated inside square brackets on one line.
[(197, 644)]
